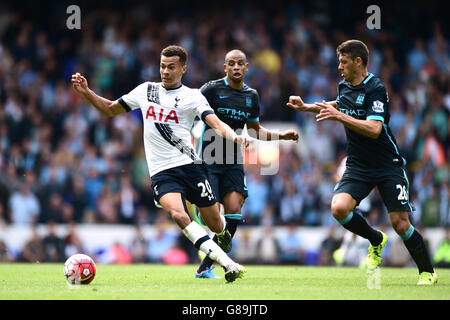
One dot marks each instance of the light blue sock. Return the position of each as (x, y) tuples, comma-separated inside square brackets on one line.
[(407, 234), (347, 219), (234, 216)]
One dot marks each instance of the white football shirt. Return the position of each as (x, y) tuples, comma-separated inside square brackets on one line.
[(168, 116)]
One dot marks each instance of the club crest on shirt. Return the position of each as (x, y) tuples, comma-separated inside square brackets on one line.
[(176, 102), (248, 101), (360, 99), (377, 106)]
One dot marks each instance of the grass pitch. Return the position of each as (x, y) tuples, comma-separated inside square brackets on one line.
[(163, 282)]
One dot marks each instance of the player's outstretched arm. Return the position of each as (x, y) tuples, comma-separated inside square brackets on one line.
[(257, 131), (368, 128), (224, 130), (296, 103), (105, 106)]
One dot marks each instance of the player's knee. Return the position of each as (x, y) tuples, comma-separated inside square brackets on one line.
[(402, 228), (235, 209), (400, 225), (339, 211), (233, 202)]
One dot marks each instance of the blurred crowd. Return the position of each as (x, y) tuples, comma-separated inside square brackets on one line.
[(165, 245), (168, 245), (61, 161)]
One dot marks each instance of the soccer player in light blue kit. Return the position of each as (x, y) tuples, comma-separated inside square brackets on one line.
[(374, 160), (236, 104)]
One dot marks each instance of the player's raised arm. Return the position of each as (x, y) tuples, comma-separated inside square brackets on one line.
[(224, 130), (368, 128), (105, 106), (257, 131), (296, 103)]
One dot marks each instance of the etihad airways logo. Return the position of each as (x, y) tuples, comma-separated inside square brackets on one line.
[(233, 113), (353, 113)]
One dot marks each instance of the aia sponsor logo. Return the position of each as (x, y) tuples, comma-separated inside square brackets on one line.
[(162, 115)]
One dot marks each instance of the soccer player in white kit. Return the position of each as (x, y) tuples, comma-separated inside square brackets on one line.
[(177, 173)]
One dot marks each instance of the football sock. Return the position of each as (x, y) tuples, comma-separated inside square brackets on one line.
[(417, 249), (231, 225), (214, 252), (196, 234), (203, 242), (207, 262), (233, 220), (358, 225)]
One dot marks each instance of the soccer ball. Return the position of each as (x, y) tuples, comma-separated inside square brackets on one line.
[(79, 269)]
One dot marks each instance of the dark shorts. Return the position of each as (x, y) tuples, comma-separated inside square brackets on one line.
[(227, 177), (392, 184), (191, 180)]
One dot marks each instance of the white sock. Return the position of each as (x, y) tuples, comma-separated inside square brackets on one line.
[(214, 252), (202, 241), (194, 232)]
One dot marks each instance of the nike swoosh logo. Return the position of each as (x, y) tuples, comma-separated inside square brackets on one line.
[(404, 202), (223, 97)]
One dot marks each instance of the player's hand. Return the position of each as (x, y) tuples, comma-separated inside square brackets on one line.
[(290, 135), (79, 83), (327, 112), (243, 141), (296, 103)]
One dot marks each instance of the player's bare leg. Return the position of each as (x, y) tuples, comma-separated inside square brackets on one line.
[(400, 222), (173, 204), (232, 202), (414, 243), (342, 206), (216, 223), (212, 218)]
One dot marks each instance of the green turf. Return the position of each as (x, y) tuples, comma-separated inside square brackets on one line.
[(150, 281)]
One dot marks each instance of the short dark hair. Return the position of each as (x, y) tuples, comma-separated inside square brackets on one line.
[(174, 51), (354, 48)]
